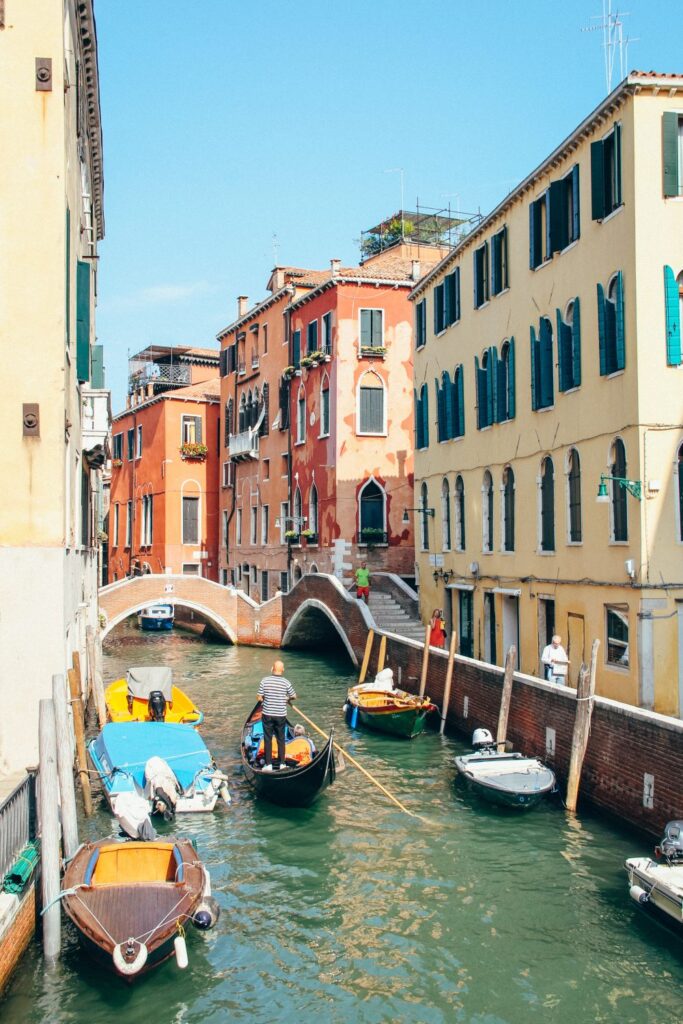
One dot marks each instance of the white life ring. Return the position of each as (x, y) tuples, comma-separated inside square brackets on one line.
[(129, 967)]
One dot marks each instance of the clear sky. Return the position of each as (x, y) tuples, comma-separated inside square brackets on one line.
[(240, 134)]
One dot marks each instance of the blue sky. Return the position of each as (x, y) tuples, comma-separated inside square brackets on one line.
[(235, 130)]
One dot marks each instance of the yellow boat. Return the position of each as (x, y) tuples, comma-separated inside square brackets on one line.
[(147, 694)]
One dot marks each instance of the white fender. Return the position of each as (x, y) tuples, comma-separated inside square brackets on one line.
[(125, 967), (180, 947)]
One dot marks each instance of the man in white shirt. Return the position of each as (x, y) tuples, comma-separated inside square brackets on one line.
[(555, 662)]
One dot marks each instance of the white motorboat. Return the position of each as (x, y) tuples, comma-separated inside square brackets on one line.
[(657, 885), (506, 779)]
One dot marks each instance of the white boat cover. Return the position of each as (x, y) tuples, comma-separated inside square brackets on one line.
[(142, 681)]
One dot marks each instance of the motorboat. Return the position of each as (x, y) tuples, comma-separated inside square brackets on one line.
[(156, 617), (147, 694), (508, 779), (379, 706), (657, 885)]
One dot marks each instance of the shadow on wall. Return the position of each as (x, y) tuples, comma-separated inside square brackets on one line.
[(313, 628)]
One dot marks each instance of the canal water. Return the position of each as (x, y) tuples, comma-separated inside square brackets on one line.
[(351, 911)]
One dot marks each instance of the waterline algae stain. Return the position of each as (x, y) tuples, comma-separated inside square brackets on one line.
[(351, 911)]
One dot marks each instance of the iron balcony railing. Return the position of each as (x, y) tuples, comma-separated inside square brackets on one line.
[(17, 821), (372, 535), (244, 445), (160, 373)]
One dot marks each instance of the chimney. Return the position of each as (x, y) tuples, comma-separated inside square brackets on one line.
[(415, 271), (336, 267), (242, 304)]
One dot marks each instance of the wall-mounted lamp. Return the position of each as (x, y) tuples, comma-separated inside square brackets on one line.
[(425, 512), (634, 487), (442, 574)]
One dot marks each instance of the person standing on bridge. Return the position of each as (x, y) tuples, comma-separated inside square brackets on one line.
[(362, 577), (274, 693)]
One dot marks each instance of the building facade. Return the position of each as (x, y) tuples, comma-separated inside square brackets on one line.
[(548, 374), (163, 512), (55, 410)]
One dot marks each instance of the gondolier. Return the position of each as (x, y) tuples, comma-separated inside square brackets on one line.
[(274, 693)]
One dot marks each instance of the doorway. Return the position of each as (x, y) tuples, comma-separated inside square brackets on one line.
[(448, 611), (466, 623), (490, 628), (511, 624), (546, 626)]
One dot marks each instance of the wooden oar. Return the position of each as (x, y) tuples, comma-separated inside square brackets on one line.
[(361, 768)]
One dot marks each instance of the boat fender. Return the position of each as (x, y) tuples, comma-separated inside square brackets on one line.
[(124, 951), (354, 717), (207, 913), (345, 708), (225, 793), (637, 893), (180, 947)]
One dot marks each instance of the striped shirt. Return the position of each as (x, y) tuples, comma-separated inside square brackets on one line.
[(276, 691)]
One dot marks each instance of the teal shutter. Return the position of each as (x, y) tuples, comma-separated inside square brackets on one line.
[(82, 321), (459, 400), (505, 283), (576, 344), (535, 395), (457, 293), (296, 349), (548, 250), (98, 366), (576, 204), (558, 219), (620, 329), (501, 391), (617, 167), (602, 330), (670, 153), (492, 385), (673, 320), (447, 392), (485, 258), (424, 403), (495, 262), (418, 420), (365, 328), (511, 380), (440, 434), (597, 181), (447, 301), (532, 236), (562, 353), (67, 276), (480, 380), (546, 360), (377, 337)]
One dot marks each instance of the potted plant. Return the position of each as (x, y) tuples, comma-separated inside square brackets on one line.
[(310, 536), (288, 372), (193, 451), (308, 362), (371, 535), (369, 351), (116, 463), (292, 536)]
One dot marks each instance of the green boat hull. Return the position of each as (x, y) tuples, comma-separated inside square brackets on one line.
[(405, 723)]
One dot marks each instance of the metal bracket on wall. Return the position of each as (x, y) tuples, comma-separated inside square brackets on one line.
[(43, 74), (31, 419)]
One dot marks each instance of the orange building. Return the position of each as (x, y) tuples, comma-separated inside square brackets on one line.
[(163, 514)]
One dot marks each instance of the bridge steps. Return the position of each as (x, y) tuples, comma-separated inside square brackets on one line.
[(390, 616)]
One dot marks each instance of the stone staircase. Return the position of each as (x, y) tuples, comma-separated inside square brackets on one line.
[(390, 616)]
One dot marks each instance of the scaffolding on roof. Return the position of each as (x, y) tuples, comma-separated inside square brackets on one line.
[(423, 226)]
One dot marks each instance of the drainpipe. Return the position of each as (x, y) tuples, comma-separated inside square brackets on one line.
[(288, 324), (235, 464)]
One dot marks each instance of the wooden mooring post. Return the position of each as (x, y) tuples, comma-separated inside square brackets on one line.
[(96, 686), (366, 656), (65, 767), (501, 734), (48, 791), (79, 730), (585, 692), (425, 661), (381, 657), (449, 678)]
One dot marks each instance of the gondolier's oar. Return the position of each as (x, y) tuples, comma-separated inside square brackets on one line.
[(361, 768)]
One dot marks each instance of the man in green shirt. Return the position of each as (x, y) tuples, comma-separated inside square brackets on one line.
[(362, 576)]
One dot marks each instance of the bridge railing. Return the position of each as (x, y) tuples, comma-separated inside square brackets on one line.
[(17, 821)]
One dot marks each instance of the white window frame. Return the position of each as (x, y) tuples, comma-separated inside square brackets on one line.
[(678, 484), (446, 524), (253, 525), (265, 523), (195, 567), (486, 548), (372, 433), (326, 329), (457, 516), (138, 442), (185, 420), (503, 535), (238, 527), (568, 496), (370, 480), (624, 612), (325, 433), (129, 524), (370, 309), (284, 515), (197, 497), (301, 420), (116, 524), (225, 527)]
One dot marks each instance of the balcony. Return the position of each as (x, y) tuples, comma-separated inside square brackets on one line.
[(372, 537), (95, 424), (165, 374), (244, 445)]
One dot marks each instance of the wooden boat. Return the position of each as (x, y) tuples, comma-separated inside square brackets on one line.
[(148, 694), (387, 710), (506, 779), (300, 782), (156, 617), (130, 900), (657, 885)]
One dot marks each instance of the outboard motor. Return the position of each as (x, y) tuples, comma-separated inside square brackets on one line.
[(156, 706), (671, 846), (481, 739), (161, 787)]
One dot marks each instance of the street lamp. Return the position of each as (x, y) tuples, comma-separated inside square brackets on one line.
[(634, 487), (425, 512), (297, 520)]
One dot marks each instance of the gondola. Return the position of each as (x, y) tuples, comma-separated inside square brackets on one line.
[(296, 785)]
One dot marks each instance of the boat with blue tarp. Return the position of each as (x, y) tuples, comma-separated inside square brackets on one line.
[(156, 617)]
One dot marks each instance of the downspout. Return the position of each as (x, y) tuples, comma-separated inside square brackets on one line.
[(235, 464)]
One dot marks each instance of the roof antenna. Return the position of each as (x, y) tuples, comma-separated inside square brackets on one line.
[(613, 41)]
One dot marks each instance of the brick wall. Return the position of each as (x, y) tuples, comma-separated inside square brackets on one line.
[(17, 936)]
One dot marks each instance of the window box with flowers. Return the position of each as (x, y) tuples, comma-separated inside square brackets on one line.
[(116, 463), (373, 352), (288, 372), (310, 536), (372, 535), (194, 452), (308, 362), (292, 536)]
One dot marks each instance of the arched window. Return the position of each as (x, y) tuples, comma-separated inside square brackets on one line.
[(372, 513), (542, 394), (569, 346), (297, 515), (424, 524), (487, 512), (371, 417), (242, 416), (547, 505), (459, 514), (486, 387), (446, 515), (229, 426), (619, 493), (255, 408), (611, 326), (574, 496), (313, 510), (301, 415), (506, 381), (265, 403), (325, 406), (680, 493), (508, 509)]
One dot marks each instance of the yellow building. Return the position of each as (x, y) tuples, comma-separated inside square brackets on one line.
[(54, 411), (548, 362)]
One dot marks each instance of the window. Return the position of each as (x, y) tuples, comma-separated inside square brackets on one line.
[(264, 411), (327, 334), (82, 321), (301, 416), (312, 336), (611, 326), (238, 527), (265, 339), (313, 510), (284, 582), (616, 627), (129, 523), (146, 522), (564, 211), (421, 323), (465, 609), (445, 516), (229, 417), (372, 513), (424, 518), (242, 419), (574, 496), (486, 387), (264, 584), (371, 404), (508, 509), (481, 275), (138, 444), (284, 526), (228, 474), (539, 231), (542, 395), (679, 468), (547, 487), (371, 328), (619, 493), (325, 406), (190, 520), (606, 174), (225, 521), (297, 514), (499, 262), (672, 131), (130, 443), (421, 405), (296, 349), (487, 513), (191, 429), (285, 464), (115, 537), (673, 308), (450, 406), (284, 403), (192, 569), (447, 301), (117, 447), (505, 398), (253, 524), (569, 346), (459, 514)]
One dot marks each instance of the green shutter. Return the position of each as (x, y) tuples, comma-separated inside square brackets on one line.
[(534, 360), (448, 305), (532, 236), (418, 420), (620, 332), (617, 166), (597, 181), (576, 204), (457, 294), (576, 344), (377, 339), (439, 412), (296, 349), (492, 385), (485, 258), (511, 380), (558, 219), (67, 276), (602, 330), (673, 320), (447, 392), (365, 328), (424, 404), (82, 321), (480, 381), (546, 359), (562, 354), (670, 152), (501, 393), (495, 251), (504, 259), (98, 366)]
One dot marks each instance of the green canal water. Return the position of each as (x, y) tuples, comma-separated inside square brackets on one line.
[(352, 911)]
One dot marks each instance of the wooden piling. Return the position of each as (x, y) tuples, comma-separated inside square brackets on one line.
[(584, 710), (504, 713), (67, 792), (382, 653), (79, 730), (449, 677), (425, 661), (48, 791), (96, 686), (366, 656)]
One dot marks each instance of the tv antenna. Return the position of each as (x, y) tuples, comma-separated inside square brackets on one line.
[(611, 24), (276, 249)]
